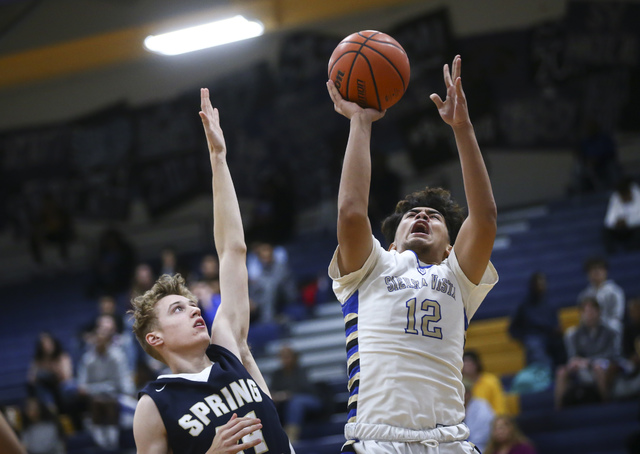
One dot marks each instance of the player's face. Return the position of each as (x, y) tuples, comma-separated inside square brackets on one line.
[(423, 230), (180, 323)]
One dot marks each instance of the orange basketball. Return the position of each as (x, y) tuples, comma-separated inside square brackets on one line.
[(370, 68)]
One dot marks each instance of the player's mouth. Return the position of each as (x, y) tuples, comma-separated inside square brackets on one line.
[(420, 228), (199, 323)]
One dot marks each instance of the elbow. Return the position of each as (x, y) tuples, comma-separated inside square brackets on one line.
[(351, 213), (235, 248)]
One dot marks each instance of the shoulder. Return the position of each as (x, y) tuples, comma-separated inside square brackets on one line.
[(148, 428)]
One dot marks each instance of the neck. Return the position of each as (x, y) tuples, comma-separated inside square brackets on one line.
[(181, 363)]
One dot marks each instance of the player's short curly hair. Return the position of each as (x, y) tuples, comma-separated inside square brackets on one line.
[(436, 198), (144, 314)]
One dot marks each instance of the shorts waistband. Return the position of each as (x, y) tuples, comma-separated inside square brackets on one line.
[(384, 432)]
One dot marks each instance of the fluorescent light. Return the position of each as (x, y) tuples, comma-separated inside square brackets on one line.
[(203, 36)]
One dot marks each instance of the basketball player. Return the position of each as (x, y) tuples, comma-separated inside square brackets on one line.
[(216, 400), (406, 310)]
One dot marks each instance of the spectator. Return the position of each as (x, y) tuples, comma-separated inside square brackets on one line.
[(209, 269), (169, 263), (536, 325), (609, 295), (107, 305), (293, 393), (50, 374), (41, 430), (113, 264), (486, 385), (142, 280), (274, 290), (51, 224), (591, 346), (478, 417), (622, 220), (506, 438), (102, 378)]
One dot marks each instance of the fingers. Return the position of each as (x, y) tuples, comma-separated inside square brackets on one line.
[(333, 92), (457, 67), (247, 445), (447, 76), (436, 100), (459, 90)]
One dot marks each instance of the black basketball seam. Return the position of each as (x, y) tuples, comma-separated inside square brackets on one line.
[(364, 44), (373, 76)]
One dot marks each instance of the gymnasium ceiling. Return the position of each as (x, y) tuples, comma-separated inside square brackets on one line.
[(61, 59), (47, 39)]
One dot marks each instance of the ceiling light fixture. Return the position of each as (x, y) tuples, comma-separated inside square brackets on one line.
[(204, 36)]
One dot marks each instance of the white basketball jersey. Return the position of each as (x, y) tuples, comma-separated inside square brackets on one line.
[(406, 325)]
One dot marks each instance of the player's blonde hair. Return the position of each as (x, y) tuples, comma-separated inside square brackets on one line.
[(144, 314)]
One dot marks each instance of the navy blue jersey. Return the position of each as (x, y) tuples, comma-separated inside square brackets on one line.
[(193, 406)]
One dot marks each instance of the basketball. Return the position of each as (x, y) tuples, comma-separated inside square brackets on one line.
[(371, 69)]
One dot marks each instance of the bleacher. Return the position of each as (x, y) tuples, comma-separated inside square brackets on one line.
[(554, 238)]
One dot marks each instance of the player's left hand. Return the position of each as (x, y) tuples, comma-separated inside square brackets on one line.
[(453, 109), (211, 123), (229, 434)]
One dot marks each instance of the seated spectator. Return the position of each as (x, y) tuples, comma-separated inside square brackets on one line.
[(293, 393), (50, 373), (274, 289), (208, 270), (622, 220), (625, 374), (486, 385), (107, 305), (52, 224), (536, 325), (478, 417), (506, 438), (141, 280), (169, 263), (41, 430), (591, 346), (102, 377), (608, 294)]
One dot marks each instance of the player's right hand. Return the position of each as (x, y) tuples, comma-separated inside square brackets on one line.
[(348, 108), (228, 435)]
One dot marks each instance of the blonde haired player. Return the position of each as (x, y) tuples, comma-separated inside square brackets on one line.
[(406, 310), (216, 401)]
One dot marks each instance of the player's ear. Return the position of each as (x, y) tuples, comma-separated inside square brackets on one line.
[(447, 251), (154, 339)]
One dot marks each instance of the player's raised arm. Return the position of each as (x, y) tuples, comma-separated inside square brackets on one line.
[(232, 318), (475, 240), (354, 228), (231, 324)]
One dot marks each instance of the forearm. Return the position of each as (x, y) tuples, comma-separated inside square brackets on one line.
[(355, 180), (228, 232), (477, 185)]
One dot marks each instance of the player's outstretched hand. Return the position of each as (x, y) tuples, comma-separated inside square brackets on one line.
[(348, 108), (228, 435), (453, 109), (211, 123)]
